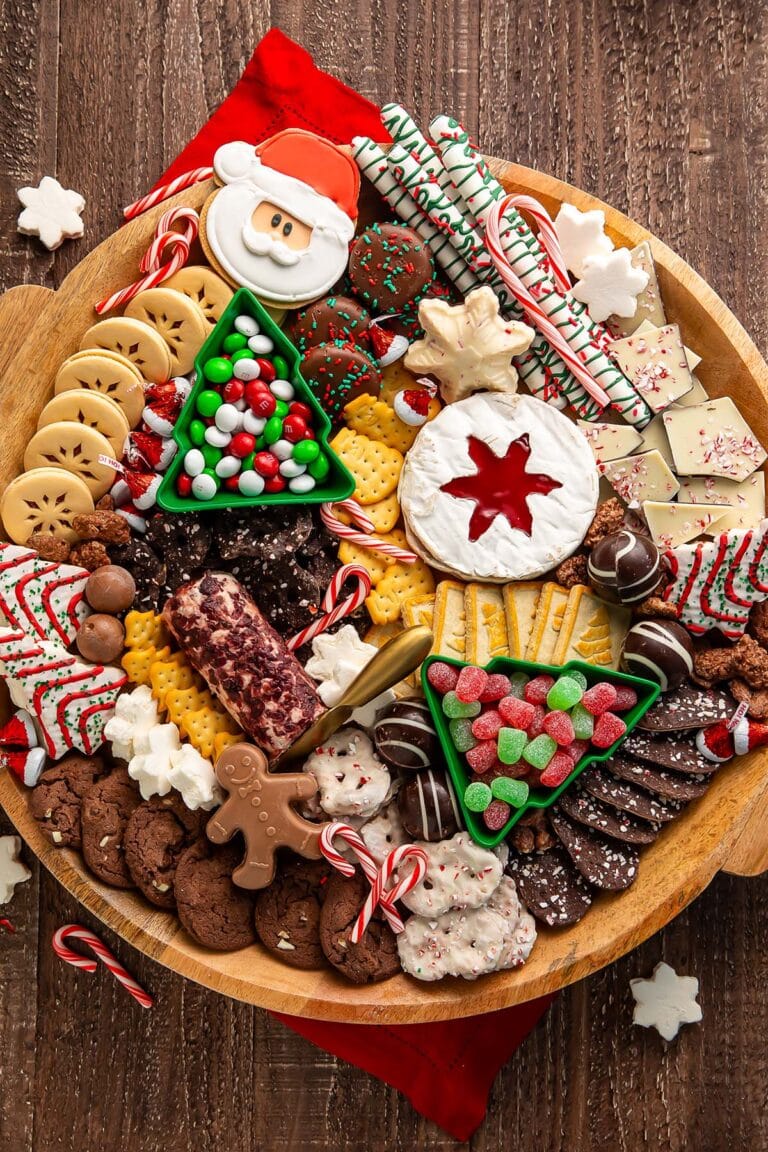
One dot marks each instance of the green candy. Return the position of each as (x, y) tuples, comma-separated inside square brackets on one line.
[(319, 467), (583, 722), (217, 370), (517, 683), (540, 751), (514, 792), (477, 796), (306, 451), (261, 443), (197, 432), (208, 402), (456, 709), (579, 677), (243, 354), (248, 460), (211, 455), (461, 734), (235, 342), (273, 430), (511, 744), (280, 365), (564, 693), (281, 409)]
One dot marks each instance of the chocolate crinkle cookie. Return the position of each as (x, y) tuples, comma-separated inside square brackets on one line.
[(159, 831), (106, 811), (288, 912), (375, 957), (148, 571), (56, 801), (215, 912)]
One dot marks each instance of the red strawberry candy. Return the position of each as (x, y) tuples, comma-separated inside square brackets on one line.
[(471, 684), (537, 690), (442, 676), (626, 698), (516, 713), (559, 726), (482, 756), (496, 815), (497, 687), (536, 726), (487, 726), (558, 769), (599, 698), (608, 729)]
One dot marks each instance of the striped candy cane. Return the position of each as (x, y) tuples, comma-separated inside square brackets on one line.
[(332, 609), (367, 863), (364, 538), (186, 180), (166, 243), (6, 925), (103, 953), (382, 894)]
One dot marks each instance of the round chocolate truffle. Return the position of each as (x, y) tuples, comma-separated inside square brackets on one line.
[(332, 318), (390, 265), (428, 807), (624, 567), (405, 736), (101, 638), (659, 650), (110, 589)]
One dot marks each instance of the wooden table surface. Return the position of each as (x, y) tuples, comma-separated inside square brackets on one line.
[(660, 107)]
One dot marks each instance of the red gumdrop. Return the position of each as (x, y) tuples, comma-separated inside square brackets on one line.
[(559, 726), (297, 408), (497, 686), (275, 484), (496, 815), (267, 371), (536, 726), (537, 690), (294, 428), (599, 698), (486, 727), (608, 728), (184, 485), (241, 445), (482, 756), (266, 464), (442, 676), (558, 769), (516, 713), (626, 698), (231, 483), (263, 404), (577, 749), (233, 391), (471, 683)]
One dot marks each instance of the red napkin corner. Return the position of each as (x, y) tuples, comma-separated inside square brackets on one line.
[(282, 88)]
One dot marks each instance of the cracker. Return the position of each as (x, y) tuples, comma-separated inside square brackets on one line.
[(137, 662), (224, 740), (394, 378), (175, 672), (401, 582), (449, 628), (381, 634), (418, 612), (201, 726), (376, 419), (375, 467), (144, 630), (375, 563), (592, 630), (179, 701), (548, 624), (384, 514), (521, 600), (486, 623)]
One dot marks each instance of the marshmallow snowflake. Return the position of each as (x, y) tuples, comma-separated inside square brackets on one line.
[(135, 716), (336, 661), (50, 212), (12, 871), (610, 285), (581, 235), (666, 1001), (193, 776), (152, 769)]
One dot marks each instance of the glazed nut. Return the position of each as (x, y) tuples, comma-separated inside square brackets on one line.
[(572, 571), (609, 518), (103, 525), (89, 554), (50, 547)]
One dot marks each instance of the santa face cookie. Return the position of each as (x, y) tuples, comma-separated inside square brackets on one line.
[(498, 488), (282, 222)]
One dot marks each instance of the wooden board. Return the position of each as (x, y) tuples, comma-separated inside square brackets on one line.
[(673, 871)]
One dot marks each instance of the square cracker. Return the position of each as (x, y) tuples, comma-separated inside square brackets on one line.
[(375, 418), (376, 564), (592, 630), (401, 582), (174, 672), (450, 621), (486, 623), (548, 624), (375, 467), (384, 514), (521, 600)]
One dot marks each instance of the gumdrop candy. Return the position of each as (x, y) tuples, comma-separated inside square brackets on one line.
[(558, 725), (514, 792), (626, 698), (536, 726), (535, 691), (455, 709), (487, 725), (558, 769), (516, 713), (482, 756), (564, 693), (578, 749), (511, 742), (608, 729), (477, 796), (517, 684), (461, 734), (579, 677), (583, 722), (442, 677), (496, 815), (496, 687), (539, 752), (471, 683), (600, 698)]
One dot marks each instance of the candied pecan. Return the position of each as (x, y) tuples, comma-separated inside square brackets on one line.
[(90, 554), (49, 547), (608, 519), (751, 662), (523, 839), (105, 503), (108, 527), (572, 571), (758, 622), (713, 664), (654, 607), (756, 699)]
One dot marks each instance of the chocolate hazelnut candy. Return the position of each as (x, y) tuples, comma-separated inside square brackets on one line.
[(427, 806), (405, 736), (110, 589), (659, 650), (101, 639), (625, 568)]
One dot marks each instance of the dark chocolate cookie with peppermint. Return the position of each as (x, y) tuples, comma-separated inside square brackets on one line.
[(107, 809), (148, 571), (159, 831), (589, 811), (550, 887), (610, 866), (288, 912), (56, 801), (328, 320), (668, 785), (375, 957), (213, 910), (626, 797), (669, 752), (689, 706)]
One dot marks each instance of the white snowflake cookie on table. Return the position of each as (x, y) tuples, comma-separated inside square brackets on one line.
[(666, 1001), (51, 212), (12, 870), (351, 778), (460, 874)]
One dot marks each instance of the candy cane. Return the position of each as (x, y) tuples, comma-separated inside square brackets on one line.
[(186, 180), (382, 894), (330, 603), (364, 538), (176, 245), (103, 953), (6, 925), (367, 863)]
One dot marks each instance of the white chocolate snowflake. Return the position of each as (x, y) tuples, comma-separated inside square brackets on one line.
[(50, 212), (581, 235), (610, 285), (337, 660), (468, 347), (666, 1001), (12, 871)]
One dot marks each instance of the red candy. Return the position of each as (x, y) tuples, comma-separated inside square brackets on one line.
[(294, 429), (266, 464), (184, 485), (577, 749), (296, 408), (441, 676), (486, 727), (558, 769), (496, 815), (241, 445), (516, 713), (498, 686), (275, 484), (608, 728), (233, 391), (267, 371), (559, 726), (482, 756), (599, 698), (537, 690), (262, 404), (471, 683), (231, 484), (626, 697), (536, 726)]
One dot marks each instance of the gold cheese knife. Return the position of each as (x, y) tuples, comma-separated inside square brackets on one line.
[(389, 666)]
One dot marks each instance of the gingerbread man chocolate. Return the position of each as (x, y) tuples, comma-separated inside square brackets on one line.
[(260, 805)]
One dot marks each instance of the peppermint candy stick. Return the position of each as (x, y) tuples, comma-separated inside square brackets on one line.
[(108, 959), (165, 191), (381, 892), (362, 538), (166, 242), (332, 609), (367, 863)]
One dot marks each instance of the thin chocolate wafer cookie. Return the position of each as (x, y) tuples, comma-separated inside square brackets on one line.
[(375, 957), (688, 707), (107, 808), (159, 831), (216, 914), (609, 866), (669, 785), (288, 912), (56, 801), (550, 887), (628, 798), (587, 810), (669, 752)]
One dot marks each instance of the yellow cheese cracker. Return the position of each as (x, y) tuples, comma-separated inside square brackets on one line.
[(201, 726), (486, 623), (144, 630), (384, 514), (137, 662), (548, 624), (399, 583), (174, 672), (520, 604), (375, 467), (592, 630)]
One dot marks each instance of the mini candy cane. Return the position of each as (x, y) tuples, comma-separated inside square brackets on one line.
[(364, 538), (367, 863), (334, 611), (166, 243), (382, 894), (186, 180), (103, 953), (6, 925), (547, 237)]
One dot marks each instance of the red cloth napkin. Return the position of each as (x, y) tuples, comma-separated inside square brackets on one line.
[(445, 1069)]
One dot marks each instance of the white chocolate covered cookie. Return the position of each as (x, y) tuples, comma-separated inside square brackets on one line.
[(460, 874), (351, 778)]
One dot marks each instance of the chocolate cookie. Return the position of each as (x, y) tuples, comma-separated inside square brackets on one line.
[(333, 318), (389, 266), (214, 912), (688, 707), (288, 912), (375, 957), (337, 373), (604, 863), (56, 801), (550, 887), (107, 808), (672, 752), (158, 833), (589, 811), (147, 569), (668, 785), (626, 797)]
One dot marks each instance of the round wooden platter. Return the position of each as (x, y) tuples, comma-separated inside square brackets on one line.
[(726, 829)]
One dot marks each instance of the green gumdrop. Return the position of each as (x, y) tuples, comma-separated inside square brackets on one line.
[(477, 796), (235, 342), (564, 693), (583, 722), (517, 683), (218, 370), (540, 751), (273, 429), (579, 677), (514, 792), (306, 451), (456, 709), (319, 468), (280, 365), (511, 743), (211, 455), (197, 432), (461, 734), (208, 402)]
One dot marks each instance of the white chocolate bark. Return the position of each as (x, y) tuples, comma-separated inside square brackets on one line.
[(609, 441), (640, 478), (672, 524), (713, 439), (655, 440), (655, 363), (746, 500)]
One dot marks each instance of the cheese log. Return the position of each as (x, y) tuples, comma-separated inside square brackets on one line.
[(243, 660)]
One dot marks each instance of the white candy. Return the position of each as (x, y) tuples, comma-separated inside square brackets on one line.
[(241, 405), (193, 776), (261, 345), (152, 768), (337, 659), (246, 369), (250, 484), (581, 235), (227, 418), (302, 484), (216, 437), (460, 874), (246, 325), (610, 284), (282, 390), (666, 1001), (291, 469), (283, 449), (194, 462), (253, 423), (12, 871), (351, 778), (228, 466), (204, 487), (50, 212), (135, 715)]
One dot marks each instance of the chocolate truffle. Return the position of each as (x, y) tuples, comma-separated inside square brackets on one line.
[(101, 638), (405, 736), (624, 567), (330, 319), (110, 589), (428, 806), (389, 266), (659, 650)]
